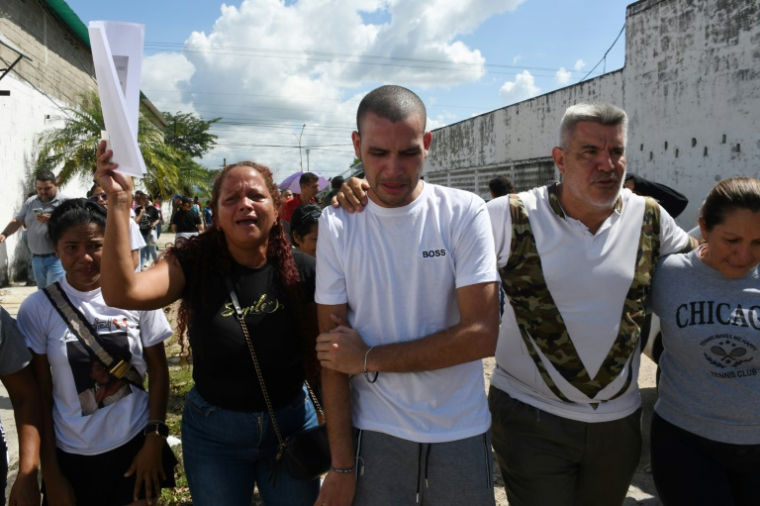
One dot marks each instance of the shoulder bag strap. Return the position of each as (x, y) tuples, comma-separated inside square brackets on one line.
[(241, 320), (244, 327), (88, 336)]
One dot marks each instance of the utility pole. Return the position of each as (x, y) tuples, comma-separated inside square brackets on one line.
[(308, 169), (299, 145)]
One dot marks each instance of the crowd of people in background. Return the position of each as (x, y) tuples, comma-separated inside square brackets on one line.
[(386, 302)]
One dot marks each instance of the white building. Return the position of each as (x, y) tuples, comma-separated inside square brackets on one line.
[(690, 86), (56, 67)]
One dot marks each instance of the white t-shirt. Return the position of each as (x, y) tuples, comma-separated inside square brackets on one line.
[(398, 270), (88, 421), (589, 276)]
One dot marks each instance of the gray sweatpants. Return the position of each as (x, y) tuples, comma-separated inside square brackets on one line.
[(397, 472)]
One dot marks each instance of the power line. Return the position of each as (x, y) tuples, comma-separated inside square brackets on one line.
[(604, 57), (342, 57), (355, 99)]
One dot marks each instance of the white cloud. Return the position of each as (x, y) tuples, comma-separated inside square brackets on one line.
[(273, 67), (579, 65), (563, 76), (522, 88), (169, 72), (516, 59)]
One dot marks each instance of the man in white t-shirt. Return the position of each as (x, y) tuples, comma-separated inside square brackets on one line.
[(576, 260), (408, 307)]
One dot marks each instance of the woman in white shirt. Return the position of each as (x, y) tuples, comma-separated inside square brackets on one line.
[(97, 449)]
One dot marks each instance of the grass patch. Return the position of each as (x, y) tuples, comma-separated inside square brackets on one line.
[(180, 383)]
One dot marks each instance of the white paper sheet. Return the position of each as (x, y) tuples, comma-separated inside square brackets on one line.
[(117, 56)]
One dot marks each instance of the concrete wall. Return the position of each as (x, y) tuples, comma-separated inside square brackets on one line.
[(691, 87), (61, 65), (515, 141), (57, 73), (692, 81)]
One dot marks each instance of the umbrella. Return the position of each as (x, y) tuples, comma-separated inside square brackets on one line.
[(291, 182)]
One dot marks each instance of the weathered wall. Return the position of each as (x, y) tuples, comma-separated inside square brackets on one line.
[(691, 87), (57, 73), (692, 81), (61, 65), (515, 141)]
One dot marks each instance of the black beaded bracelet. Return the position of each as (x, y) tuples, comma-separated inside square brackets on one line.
[(366, 371)]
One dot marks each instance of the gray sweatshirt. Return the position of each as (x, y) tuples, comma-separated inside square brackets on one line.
[(710, 383)]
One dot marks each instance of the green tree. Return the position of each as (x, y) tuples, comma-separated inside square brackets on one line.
[(188, 133), (73, 146)]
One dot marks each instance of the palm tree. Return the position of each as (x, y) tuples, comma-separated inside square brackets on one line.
[(73, 148)]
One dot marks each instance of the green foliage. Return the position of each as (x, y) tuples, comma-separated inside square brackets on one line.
[(188, 133), (73, 146), (180, 383)]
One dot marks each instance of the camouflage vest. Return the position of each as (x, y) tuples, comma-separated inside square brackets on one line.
[(541, 324)]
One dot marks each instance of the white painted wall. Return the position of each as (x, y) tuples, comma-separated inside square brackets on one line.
[(23, 116), (691, 80)]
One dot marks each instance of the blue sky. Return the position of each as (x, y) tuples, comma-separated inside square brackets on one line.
[(269, 67)]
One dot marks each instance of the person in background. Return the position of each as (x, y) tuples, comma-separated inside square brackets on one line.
[(500, 186), (309, 183), (706, 427), (671, 200), (186, 223), (176, 206), (304, 228), (158, 204), (147, 217), (24, 394), (287, 195), (117, 454), (208, 214), (34, 215), (227, 438), (136, 241), (197, 209), (335, 185)]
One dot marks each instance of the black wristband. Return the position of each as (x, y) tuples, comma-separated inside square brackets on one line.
[(156, 427)]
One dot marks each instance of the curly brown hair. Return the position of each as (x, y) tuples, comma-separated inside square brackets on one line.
[(207, 255)]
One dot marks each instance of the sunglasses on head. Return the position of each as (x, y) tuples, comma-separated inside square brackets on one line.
[(96, 198)]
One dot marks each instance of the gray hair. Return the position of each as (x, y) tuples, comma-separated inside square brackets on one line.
[(394, 103), (605, 114)]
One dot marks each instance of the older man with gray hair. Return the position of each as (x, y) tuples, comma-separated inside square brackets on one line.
[(564, 396)]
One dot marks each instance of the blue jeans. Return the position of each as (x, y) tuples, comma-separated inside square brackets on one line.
[(149, 250), (47, 270), (226, 452)]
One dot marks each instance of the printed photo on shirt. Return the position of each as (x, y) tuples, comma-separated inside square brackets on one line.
[(96, 386)]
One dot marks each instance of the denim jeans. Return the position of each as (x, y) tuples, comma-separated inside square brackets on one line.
[(227, 452), (47, 270)]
